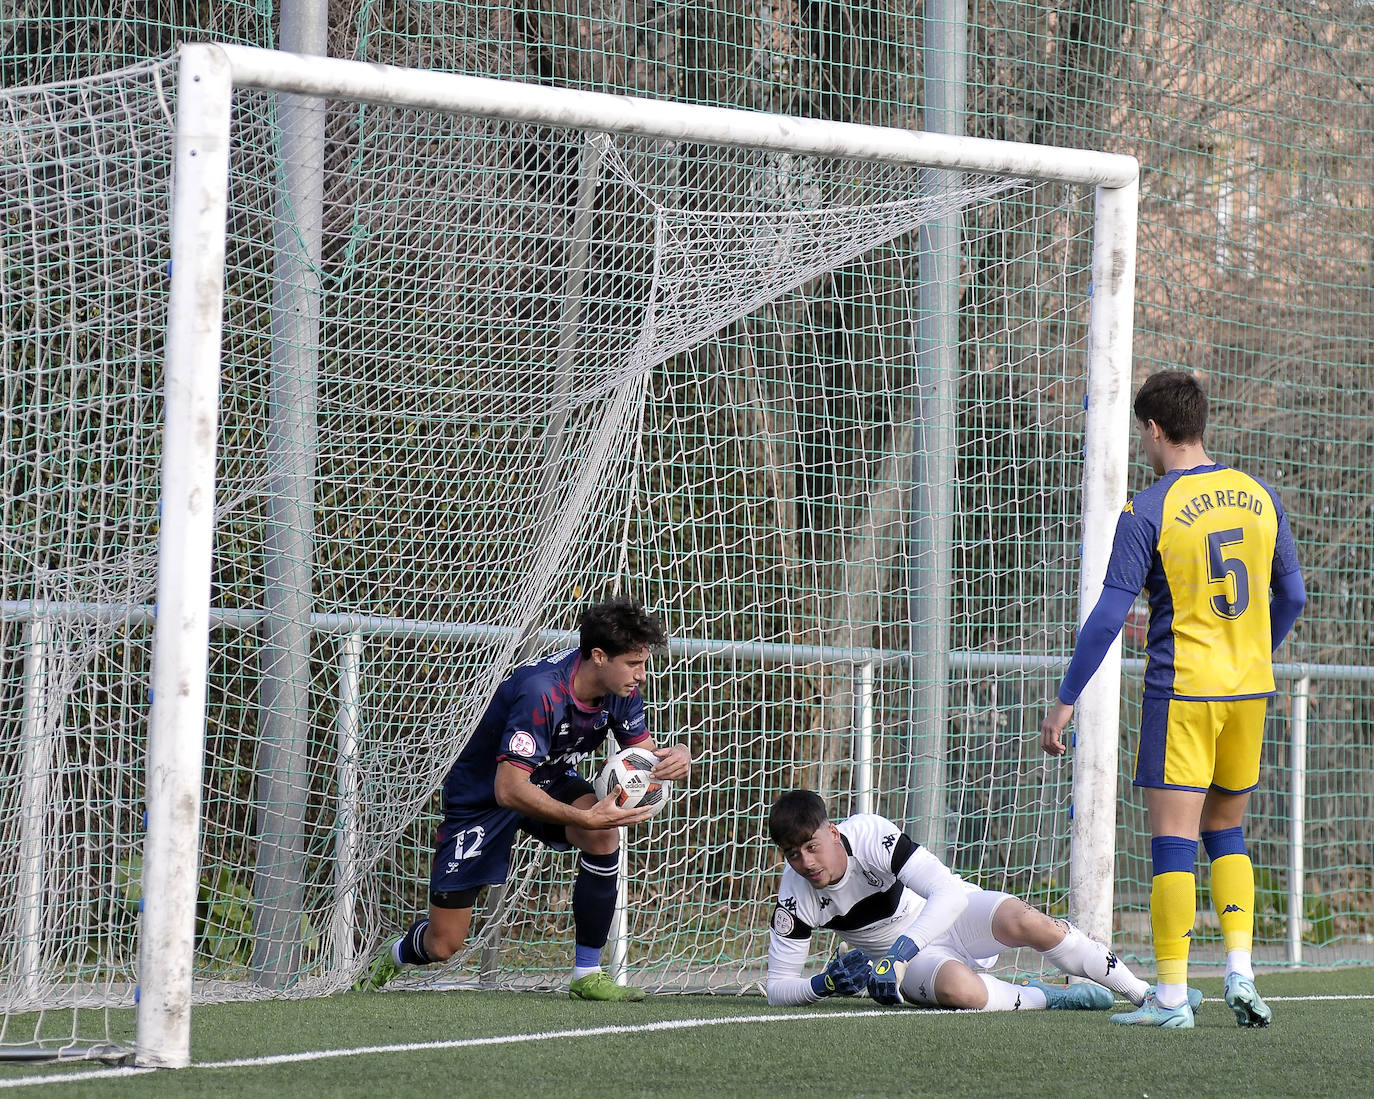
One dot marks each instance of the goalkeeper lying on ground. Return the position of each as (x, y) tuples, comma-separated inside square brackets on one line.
[(919, 932)]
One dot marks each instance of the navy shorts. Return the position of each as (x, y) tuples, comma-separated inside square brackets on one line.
[(473, 849)]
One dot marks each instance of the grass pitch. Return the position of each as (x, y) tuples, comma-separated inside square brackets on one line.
[(530, 1045)]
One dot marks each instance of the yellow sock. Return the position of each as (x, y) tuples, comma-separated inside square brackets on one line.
[(1233, 896), (1173, 908)]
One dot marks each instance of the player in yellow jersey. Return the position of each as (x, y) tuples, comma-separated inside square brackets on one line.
[(1211, 548)]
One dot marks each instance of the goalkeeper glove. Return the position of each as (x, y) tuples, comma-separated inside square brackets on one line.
[(884, 986), (845, 975)]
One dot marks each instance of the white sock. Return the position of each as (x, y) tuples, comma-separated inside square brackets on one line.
[(580, 971), (1171, 996), (1009, 997), (1238, 961), (1080, 956)]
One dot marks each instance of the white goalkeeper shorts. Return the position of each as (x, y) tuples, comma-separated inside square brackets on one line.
[(969, 941)]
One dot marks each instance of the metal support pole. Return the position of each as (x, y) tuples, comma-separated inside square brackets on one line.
[(863, 737), (35, 776), (618, 944), (347, 724), (933, 464), (549, 494), (289, 549), (1297, 819)]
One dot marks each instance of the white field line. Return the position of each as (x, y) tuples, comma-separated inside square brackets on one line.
[(542, 1036)]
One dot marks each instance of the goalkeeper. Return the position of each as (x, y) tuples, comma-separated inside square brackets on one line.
[(911, 930)]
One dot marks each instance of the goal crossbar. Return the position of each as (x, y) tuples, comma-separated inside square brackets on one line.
[(516, 101), (208, 75)]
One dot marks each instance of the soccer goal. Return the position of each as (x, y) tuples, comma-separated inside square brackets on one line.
[(333, 389)]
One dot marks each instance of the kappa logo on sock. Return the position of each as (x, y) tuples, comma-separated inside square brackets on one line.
[(1111, 961), (1232, 908)]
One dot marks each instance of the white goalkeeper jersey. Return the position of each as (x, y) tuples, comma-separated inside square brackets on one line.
[(892, 887)]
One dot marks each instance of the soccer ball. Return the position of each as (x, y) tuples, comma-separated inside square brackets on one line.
[(626, 775)]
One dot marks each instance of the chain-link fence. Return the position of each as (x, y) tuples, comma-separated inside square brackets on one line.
[(1254, 123)]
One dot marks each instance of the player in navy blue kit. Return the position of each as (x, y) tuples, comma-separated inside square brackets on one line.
[(910, 929), (518, 772)]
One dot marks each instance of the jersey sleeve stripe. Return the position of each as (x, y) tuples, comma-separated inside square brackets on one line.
[(902, 851)]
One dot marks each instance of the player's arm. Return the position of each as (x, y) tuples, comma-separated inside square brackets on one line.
[(514, 790), (846, 973), (1127, 568), (1094, 639), (785, 985), (946, 894), (1289, 596)]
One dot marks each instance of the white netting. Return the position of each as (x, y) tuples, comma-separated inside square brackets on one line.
[(548, 364)]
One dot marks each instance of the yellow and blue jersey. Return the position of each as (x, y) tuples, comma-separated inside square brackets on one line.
[(1205, 544)]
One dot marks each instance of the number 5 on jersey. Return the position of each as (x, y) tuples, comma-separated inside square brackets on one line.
[(1230, 572)]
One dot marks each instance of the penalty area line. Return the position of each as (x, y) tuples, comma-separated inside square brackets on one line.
[(468, 1043)]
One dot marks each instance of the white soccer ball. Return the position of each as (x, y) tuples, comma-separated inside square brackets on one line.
[(626, 776)]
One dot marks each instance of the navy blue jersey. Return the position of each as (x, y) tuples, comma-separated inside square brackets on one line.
[(535, 723)]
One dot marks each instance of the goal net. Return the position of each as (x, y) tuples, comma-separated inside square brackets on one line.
[(474, 371)]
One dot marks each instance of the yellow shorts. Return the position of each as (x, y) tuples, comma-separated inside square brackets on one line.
[(1187, 745)]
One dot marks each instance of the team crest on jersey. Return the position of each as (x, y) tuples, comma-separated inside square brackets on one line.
[(522, 744), (871, 878), (599, 722), (783, 923)]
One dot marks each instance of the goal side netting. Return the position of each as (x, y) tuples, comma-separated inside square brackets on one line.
[(469, 372)]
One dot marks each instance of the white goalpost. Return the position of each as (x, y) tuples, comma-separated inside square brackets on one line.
[(446, 356)]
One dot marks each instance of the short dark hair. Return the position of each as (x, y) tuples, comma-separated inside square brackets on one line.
[(795, 817), (619, 625), (1176, 401)]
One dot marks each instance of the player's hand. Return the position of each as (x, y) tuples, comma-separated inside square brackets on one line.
[(885, 982), (674, 763), (1052, 729), (846, 975), (607, 814)]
